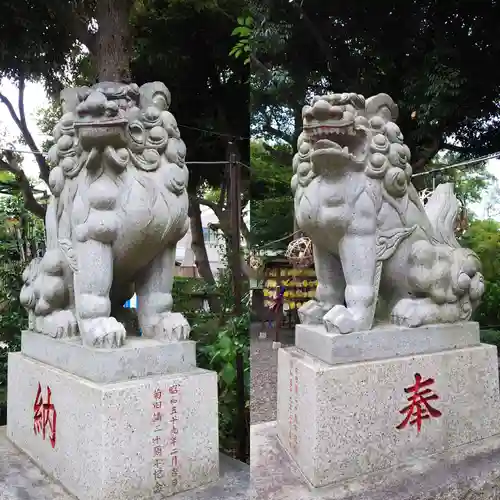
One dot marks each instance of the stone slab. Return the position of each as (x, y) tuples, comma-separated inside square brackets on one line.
[(383, 342), (138, 358), (341, 421), (21, 479), (108, 437), (468, 472)]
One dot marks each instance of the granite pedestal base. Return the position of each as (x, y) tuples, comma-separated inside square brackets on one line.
[(145, 438), (344, 420), (468, 472)]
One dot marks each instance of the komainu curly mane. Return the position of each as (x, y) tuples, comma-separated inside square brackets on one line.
[(379, 254), (119, 207)]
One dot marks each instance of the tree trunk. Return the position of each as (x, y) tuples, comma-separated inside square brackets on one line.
[(198, 243), (114, 41), (199, 249)]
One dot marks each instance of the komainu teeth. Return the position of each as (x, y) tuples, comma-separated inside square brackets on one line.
[(345, 150)]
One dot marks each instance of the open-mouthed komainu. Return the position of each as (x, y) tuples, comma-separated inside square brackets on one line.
[(379, 254)]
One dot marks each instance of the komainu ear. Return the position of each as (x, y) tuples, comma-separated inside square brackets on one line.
[(71, 97), (155, 93), (383, 106)]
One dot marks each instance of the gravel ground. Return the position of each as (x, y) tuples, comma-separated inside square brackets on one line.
[(263, 369)]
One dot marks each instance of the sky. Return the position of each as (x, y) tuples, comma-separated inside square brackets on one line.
[(36, 98)]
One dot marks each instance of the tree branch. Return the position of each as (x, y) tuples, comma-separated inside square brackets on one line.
[(259, 65), (20, 121), (282, 157), (79, 20), (20, 100), (322, 44), (457, 149), (278, 133), (10, 165), (427, 154), (218, 210)]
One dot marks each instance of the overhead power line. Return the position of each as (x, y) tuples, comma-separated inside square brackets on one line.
[(465, 163)]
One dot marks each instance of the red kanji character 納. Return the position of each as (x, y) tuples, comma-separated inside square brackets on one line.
[(419, 406), (38, 417), (47, 417), (157, 394)]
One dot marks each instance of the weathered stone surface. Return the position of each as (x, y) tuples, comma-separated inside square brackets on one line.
[(386, 341), (21, 479), (119, 207), (138, 358), (340, 421), (468, 472), (106, 434), (376, 248)]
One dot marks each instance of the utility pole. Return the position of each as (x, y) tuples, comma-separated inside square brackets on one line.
[(236, 275)]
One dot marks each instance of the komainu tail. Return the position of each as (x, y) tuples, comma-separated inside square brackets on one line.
[(442, 209)]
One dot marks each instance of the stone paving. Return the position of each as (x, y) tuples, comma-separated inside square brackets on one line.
[(263, 363)]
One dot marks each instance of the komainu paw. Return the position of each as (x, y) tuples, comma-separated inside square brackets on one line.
[(171, 327), (105, 333), (311, 313), (339, 320), (61, 324)]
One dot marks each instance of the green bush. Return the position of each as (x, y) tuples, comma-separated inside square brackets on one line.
[(13, 319), (491, 337), (220, 338)]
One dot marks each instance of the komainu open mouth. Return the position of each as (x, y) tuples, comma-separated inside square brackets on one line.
[(344, 140)]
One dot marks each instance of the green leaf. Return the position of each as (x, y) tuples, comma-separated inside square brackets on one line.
[(228, 374), (225, 343), (242, 31)]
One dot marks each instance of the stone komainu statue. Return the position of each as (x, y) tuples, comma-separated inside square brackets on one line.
[(379, 254), (119, 207)]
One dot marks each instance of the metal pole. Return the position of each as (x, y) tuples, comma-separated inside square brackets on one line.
[(236, 274)]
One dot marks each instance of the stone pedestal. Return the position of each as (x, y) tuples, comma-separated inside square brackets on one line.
[(351, 417), (135, 432)]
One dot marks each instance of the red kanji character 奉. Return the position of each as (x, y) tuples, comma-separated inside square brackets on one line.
[(419, 406)]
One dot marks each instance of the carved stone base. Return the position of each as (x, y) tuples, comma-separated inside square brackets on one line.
[(341, 421), (139, 357), (122, 440), (383, 342)]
